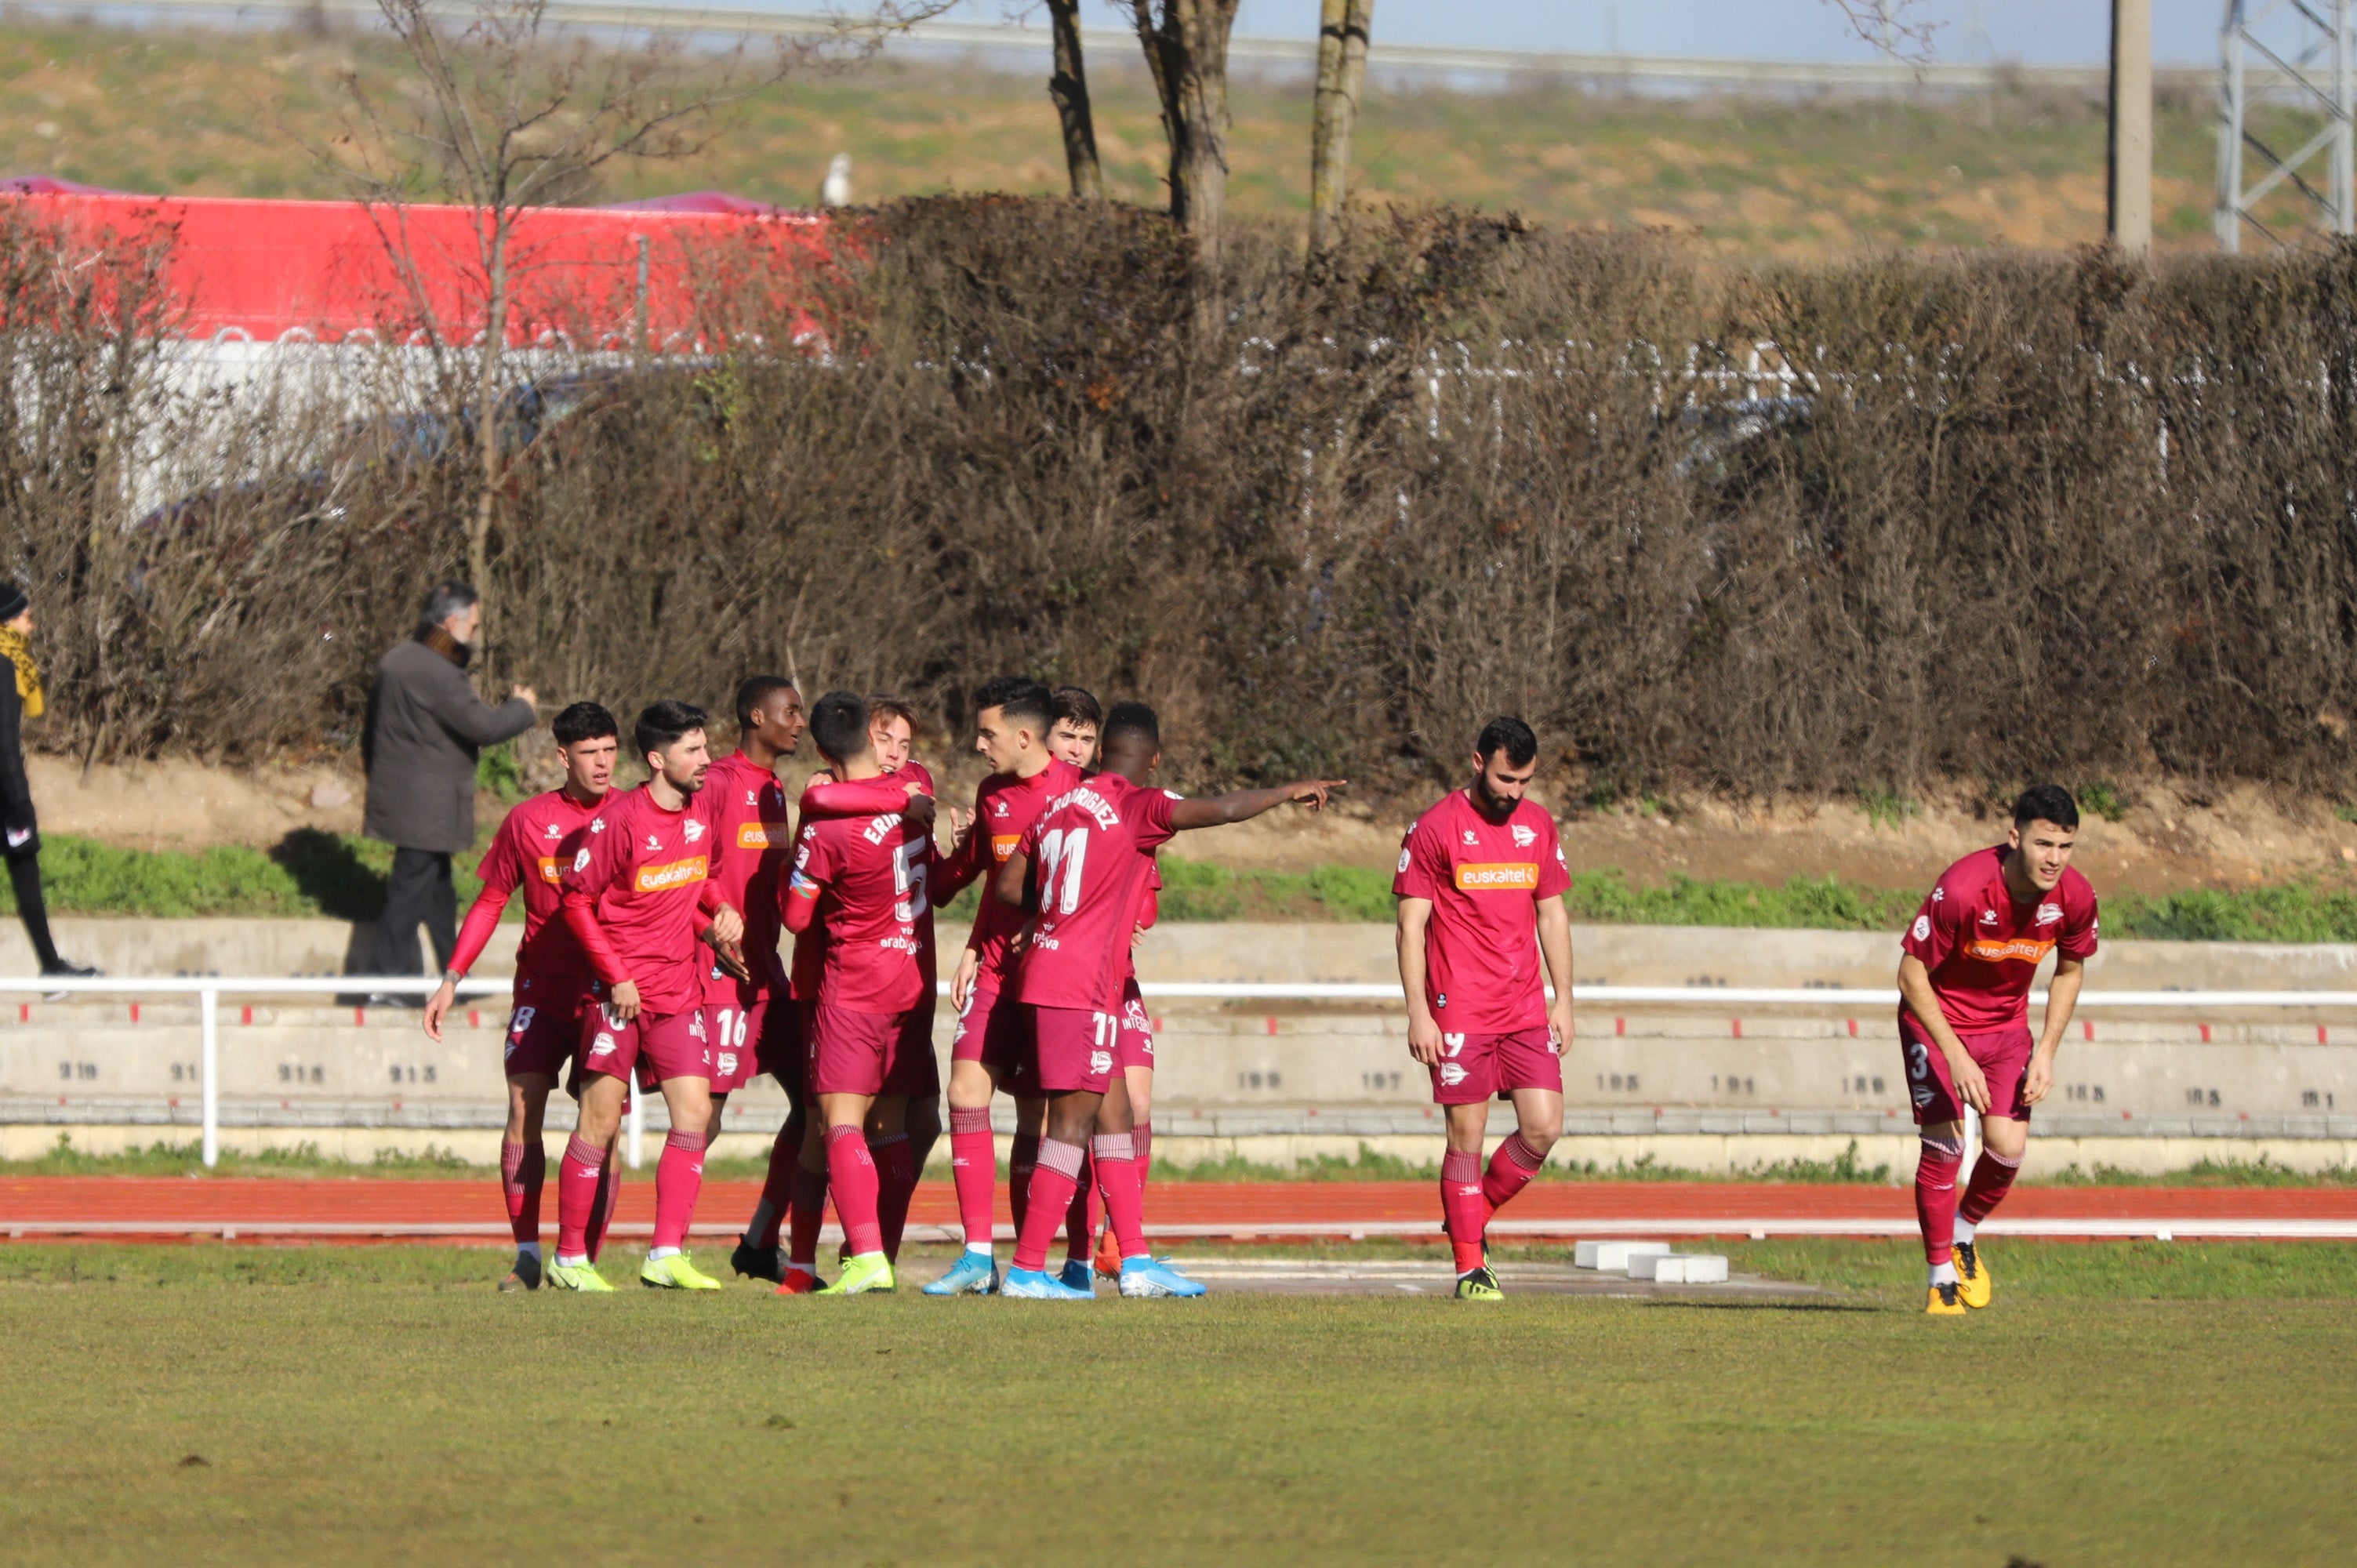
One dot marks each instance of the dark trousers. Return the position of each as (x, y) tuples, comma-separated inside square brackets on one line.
[(418, 893)]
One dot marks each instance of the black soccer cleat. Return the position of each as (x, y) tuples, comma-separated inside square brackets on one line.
[(757, 1263)]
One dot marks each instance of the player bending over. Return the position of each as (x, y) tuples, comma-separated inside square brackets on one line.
[(866, 879), (1093, 846), (1963, 1023), (992, 1050), (552, 973), (639, 895), (1479, 887)]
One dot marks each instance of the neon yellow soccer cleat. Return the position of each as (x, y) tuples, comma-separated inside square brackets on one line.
[(1478, 1285), (867, 1271), (577, 1276), (1972, 1276), (1945, 1301), (676, 1273)]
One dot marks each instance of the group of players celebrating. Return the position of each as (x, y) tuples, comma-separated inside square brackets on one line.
[(651, 961)]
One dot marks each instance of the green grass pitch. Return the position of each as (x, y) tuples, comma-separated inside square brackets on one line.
[(2120, 1404)]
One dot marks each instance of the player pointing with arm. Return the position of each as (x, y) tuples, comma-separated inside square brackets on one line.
[(552, 973), (1963, 1023), (1479, 887), (1093, 848)]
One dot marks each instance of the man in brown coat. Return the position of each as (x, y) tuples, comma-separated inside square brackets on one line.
[(426, 729)]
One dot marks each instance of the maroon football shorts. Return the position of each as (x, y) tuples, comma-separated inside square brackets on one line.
[(994, 1029), (542, 1034), (855, 1053), (1073, 1049), (781, 1043), (913, 1070), (735, 1042), (659, 1047), (1134, 1046), (1473, 1067), (2003, 1058)]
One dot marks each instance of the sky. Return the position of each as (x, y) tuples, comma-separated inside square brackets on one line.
[(2034, 32)]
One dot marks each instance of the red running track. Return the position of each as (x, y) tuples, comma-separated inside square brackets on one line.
[(370, 1208)]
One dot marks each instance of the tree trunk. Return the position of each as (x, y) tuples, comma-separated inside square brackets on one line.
[(1187, 49), (1344, 27), (487, 432), (1070, 88)]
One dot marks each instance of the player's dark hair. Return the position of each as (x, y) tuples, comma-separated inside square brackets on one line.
[(881, 708), (2046, 803), (1131, 723), (444, 600), (583, 721), (755, 690), (838, 726), (661, 725), (1510, 735), (1019, 699), (1077, 705)]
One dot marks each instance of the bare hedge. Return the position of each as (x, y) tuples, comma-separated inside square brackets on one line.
[(1976, 517)]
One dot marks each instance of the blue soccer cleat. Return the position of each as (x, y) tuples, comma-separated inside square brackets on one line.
[(1039, 1284), (1079, 1275), (1153, 1277), (974, 1273)]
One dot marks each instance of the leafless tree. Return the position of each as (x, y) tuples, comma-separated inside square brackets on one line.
[(1344, 27), (1068, 86), (1186, 44), (505, 113), (1897, 28)]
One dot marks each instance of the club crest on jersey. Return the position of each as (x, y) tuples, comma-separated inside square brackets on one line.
[(1451, 1075), (602, 1046), (2049, 913), (1406, 857), (1524, 837), (1922, 927), (1100, 1061), (693, 831), (581, 858)]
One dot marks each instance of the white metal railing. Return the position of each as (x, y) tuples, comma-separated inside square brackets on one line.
[(209, 989)]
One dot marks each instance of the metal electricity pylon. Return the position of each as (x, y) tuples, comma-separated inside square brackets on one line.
[(2300, 51)]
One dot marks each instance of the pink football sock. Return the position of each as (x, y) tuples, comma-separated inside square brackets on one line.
[(1141, 1138), (1466, 1210), (1080, 1220), (1511, 1170), (577, 1195), (601, 1209), (1125, 1197), (1935, 1197), (974, 1164), (679, 1176), (851, 1171), (1992, 1179), (776, 1192), (895, 1183), (524, 1168), (807, 1215), (1053, 1184), (1022, 1158)]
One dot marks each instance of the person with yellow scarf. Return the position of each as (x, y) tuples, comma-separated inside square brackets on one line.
[(20, 835)]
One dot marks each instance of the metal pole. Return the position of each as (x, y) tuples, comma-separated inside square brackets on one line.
[(637, 1124), (2130, 206), (209, 1017), (2346, 107), (2227, 219)]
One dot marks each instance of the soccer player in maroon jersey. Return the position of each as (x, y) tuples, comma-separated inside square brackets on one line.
[(992, 1045), (866, 879), (637, 895), (552, 973), (1093, 846), (1963, 1023), (1480, 888)]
